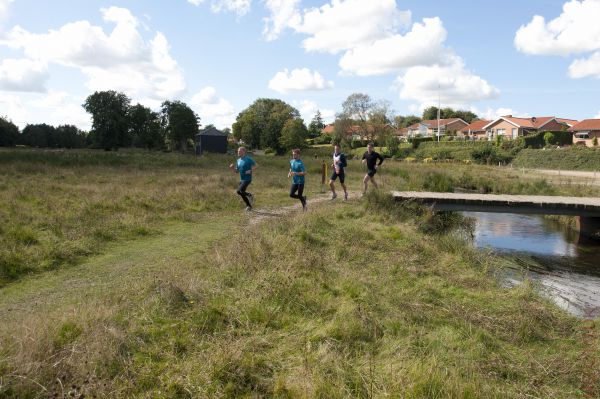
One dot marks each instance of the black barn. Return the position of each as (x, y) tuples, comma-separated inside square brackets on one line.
[(211, 139)]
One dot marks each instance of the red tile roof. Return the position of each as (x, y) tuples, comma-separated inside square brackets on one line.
[(328, 129), (569, 122), (433, 123), (586, 124), (476, 126), (534, 122)]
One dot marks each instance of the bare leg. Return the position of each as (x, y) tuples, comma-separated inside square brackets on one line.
[(374, 182), (344, 187), (365, 181)]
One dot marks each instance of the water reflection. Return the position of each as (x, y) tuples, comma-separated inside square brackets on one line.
[(547, 253)]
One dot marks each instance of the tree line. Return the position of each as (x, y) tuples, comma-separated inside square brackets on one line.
[(115, 124), (269, 124)]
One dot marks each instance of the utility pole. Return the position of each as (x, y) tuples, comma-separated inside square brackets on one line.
[(438, 113)]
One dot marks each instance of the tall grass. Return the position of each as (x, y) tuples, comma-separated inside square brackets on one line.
[(342, 302)]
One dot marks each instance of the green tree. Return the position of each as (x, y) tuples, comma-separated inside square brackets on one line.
[(110, 124), (261, 124), (406, 121), (549, 138), (379, 124), (316, 125), (69, 136), (145, 128), (293, 134), (357, 107), (180, 123), (430, 113), (342, 129), (9, 133), (40, 135)]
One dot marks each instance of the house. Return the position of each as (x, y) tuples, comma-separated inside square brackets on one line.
[(211, 139), (475, 130), (328, 129), (512, 127), (585, 132), (429, 128)]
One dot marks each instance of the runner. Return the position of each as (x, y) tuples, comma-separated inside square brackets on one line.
[(245, 165), (297, 172), (371, 157), (339, 163)]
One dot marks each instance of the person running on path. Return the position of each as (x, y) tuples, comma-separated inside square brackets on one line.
[(297, 173), (339, 163), (245, 166), (371, 157)]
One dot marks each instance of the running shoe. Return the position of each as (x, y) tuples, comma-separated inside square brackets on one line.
[(333, 196), (248, 209)]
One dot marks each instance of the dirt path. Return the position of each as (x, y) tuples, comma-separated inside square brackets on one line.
[(261, 214)]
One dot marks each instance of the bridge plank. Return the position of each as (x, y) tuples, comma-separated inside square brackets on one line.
[(541, 204)]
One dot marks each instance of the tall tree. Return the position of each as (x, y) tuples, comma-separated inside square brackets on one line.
[(357, 107), (145, 127), (379, 124), (293, 134), (179, 122), (9, 133), (430, 113), (260, 125), (406, 121), (316, 125), (69, 136), (40, 135), (110, 124)]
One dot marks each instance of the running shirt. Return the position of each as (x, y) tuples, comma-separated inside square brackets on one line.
[(339, 162), (296, 165), (245, 164), (372, 159)]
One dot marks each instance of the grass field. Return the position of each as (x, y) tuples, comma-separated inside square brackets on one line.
[(359, 299)]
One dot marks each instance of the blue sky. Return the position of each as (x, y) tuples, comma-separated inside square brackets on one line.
[(526, 58)]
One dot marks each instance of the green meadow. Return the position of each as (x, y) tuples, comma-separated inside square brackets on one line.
[(134, 274)]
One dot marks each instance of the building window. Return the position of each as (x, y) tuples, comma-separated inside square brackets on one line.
[(515, 133), (501, 132)]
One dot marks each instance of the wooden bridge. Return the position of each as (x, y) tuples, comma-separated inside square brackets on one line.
[(587, 209)]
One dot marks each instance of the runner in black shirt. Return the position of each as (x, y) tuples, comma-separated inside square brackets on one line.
[(371, 157)]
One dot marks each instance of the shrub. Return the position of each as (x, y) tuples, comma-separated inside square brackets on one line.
[(416, 141), (595, 142), (549, 138)]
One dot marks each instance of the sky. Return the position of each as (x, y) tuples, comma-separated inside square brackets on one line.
[(524, 58)]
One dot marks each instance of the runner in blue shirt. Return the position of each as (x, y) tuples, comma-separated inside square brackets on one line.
[(245, 166), (297, 173)]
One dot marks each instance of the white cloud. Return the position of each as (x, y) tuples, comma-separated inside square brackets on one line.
[(23, 75), (492, 114), (213, 109), (12, 107), (121, 60), (308, 109), (4, 9), (283, 14), (576, 30), (582, 68), (597, 115), (299, 80), (60, 108), (346, 24), (453, 83), (239, 7), (423, 45)]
